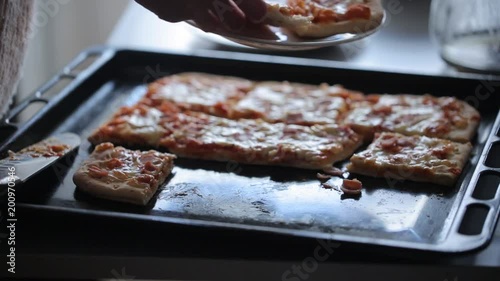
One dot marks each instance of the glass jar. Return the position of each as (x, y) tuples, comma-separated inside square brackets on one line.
[(467, 33)]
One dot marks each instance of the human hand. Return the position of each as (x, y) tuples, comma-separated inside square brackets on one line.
[(210, 15)]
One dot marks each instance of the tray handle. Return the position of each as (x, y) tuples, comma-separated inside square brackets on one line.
[(86, 62), (475, 223), (84, 65), (465, 235)]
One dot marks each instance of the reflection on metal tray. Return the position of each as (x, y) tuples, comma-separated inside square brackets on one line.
[(268, 199)]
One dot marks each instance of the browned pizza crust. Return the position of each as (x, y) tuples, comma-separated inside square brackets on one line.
[(119, 174), (131, 126), (103, 190), (416, 158)]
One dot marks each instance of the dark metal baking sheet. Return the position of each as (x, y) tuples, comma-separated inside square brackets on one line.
[(268, 199)]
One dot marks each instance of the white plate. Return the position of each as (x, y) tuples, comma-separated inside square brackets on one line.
[(215, 37), (276, 38)]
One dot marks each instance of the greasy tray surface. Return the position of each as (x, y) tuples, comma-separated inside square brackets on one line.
[(283, 200)]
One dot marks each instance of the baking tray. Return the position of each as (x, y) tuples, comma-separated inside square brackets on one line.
[(284, 201)]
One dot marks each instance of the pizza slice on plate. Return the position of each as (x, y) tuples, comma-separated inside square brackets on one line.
[(323, 18), (119, 174), (416, 158), (439, 117)]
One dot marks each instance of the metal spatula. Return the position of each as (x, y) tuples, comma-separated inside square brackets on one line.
[(21, 166)]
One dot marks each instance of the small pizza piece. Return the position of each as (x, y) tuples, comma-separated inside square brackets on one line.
[(333, 171), (352, 187), (323, 177), (119, 174), (132, 126), (208, 93), (294, 103), (248, 141), (323, 18), (439, 117), (55, 146), (42, 149), (415, 158)]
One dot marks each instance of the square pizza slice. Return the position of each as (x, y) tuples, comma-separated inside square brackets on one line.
[(195, 91), (415, 158), (295, 103), (136, 125), (426, 115), (120, 174)]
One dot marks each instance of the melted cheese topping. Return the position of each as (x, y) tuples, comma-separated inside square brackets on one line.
[(50, 147), (132, 124), (119, 167), (435, 155), (193, 90), (262, 140), (43, 149), (328, 10), (410, 114), (193, 94), (292, 103)]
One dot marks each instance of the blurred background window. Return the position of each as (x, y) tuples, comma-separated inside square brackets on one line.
[(61, 29)]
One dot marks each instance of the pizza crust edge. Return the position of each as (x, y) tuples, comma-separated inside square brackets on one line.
[(123, 193), (303, 26), (369, 167)]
